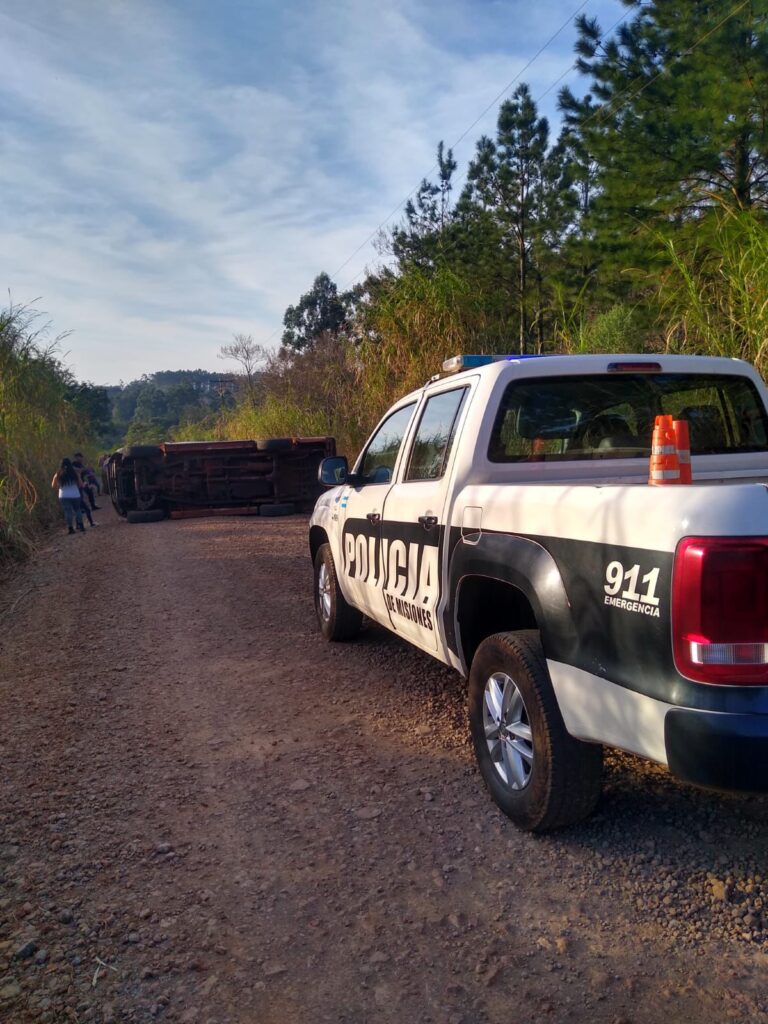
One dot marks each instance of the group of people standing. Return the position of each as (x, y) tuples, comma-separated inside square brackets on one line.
[(78, 486)]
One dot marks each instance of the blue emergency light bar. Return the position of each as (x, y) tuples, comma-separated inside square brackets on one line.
[(457, 363)]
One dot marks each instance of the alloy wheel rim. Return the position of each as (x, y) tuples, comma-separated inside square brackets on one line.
[(324, 592), (507, 731)]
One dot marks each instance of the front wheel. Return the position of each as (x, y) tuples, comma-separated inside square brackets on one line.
[(538, 774), (338, 620)]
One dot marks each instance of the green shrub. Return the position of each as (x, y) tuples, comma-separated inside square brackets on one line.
[(38, 427)]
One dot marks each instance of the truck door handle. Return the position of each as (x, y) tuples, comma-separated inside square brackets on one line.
[(373, 517), (428, 522)]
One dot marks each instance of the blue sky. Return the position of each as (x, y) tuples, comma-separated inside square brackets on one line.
[(173, 172)]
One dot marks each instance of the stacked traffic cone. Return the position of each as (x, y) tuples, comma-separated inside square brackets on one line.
[(665, 463), (683, 445)]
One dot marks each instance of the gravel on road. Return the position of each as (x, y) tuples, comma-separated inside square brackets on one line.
[(208, 815)]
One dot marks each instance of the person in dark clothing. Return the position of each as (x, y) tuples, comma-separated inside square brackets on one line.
[(84, 508), (87, 490), (67, 480), (90, 479)]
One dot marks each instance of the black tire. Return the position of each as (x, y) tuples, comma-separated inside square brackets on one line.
[(287, 508), (152, 516), (274, 444), (341, 621), (142, 451), (564, 774)]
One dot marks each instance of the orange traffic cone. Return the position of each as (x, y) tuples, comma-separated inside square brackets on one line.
[(665, 465), (683, 445)]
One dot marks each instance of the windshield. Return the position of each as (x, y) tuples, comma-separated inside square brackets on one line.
[(611, 416)]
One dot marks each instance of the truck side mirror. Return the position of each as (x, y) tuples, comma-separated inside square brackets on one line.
[(333, 471)]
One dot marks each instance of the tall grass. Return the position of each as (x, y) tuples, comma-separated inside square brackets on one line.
[(579, 331), (342, 385), (38, 426), (415, 322), (715, 288)]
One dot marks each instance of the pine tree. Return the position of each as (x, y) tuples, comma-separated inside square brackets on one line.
[(428, 217), (509, 185), (677, 115)]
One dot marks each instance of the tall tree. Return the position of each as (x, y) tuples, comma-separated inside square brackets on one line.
[(92, 405), (555, 218), (427, 217), (322, 309), (245, 351), (505, 181), (677, 114)]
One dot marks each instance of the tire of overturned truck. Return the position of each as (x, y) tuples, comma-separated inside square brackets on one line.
[(274, 444), (153, 515), (286, 508), (142, 451)]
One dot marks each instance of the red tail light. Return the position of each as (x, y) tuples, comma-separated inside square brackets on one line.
[(720, 609)]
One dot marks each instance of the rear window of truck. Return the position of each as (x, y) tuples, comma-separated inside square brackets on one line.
[(607, 416)]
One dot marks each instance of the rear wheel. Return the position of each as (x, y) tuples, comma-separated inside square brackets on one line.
[(538, 774), (337, 619)]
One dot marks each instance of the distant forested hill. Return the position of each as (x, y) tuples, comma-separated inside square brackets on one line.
[(148, 410)]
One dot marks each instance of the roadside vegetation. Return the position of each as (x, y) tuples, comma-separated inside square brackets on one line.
[(45, 414), (641, 226)]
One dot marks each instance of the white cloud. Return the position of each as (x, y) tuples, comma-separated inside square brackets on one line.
[(159, 203)]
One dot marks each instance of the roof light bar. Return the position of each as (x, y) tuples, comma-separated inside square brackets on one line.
[(457, 363)]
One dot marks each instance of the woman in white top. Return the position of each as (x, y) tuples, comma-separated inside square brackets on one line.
[(68, 481)]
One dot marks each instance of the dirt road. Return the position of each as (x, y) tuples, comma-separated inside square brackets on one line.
[(209, 815)]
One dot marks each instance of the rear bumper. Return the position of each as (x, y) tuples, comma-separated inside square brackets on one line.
[(725, 751)]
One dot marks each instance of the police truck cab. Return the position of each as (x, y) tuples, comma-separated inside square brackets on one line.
[(500, 519)]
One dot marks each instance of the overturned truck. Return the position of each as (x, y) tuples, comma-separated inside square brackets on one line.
[(180, 479)]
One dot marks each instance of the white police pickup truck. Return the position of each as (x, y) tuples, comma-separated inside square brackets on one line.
[(500, 520)]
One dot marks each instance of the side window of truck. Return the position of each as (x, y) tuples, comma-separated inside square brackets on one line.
[(434, 437), (378, 463)]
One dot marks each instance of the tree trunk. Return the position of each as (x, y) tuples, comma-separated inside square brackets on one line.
[(522, 286), (741, 171), (539, 313)]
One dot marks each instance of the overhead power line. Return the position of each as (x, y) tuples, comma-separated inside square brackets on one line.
[(460, 139), (613, 103), (600, 112), (463, 135), (505, 90)]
